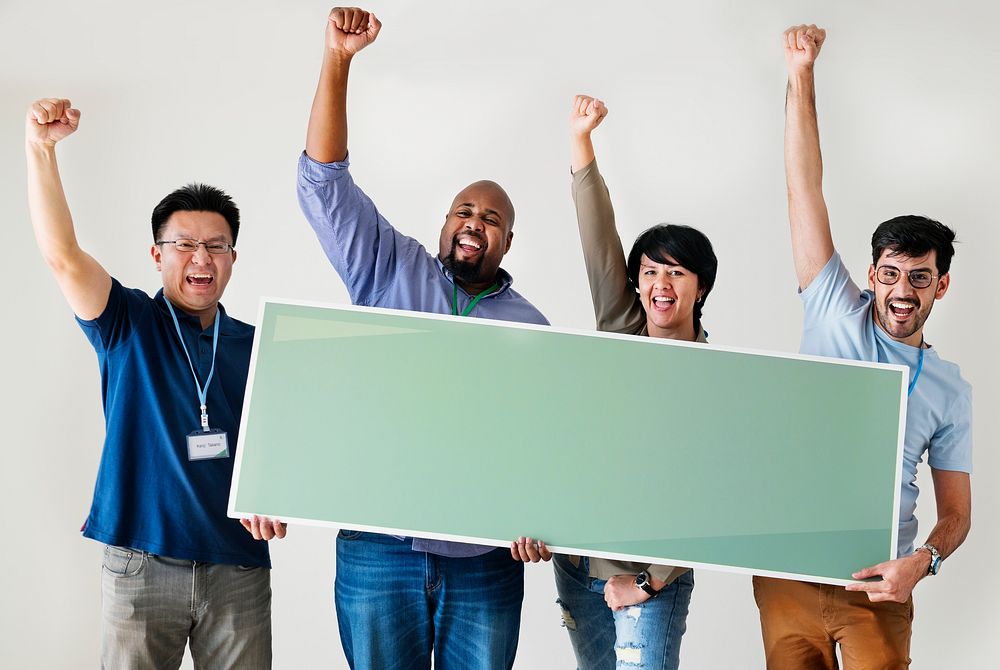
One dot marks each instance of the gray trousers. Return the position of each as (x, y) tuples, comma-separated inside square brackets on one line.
[(152, 606)]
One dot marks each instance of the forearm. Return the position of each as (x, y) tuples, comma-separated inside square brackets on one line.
[(803, 160), (581, 151), (82, 280), (326, 139), (949, 533), (616, 307), (812, 242), (50, 215)]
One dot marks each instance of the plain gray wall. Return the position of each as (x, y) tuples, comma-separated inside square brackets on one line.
[(455, 91)]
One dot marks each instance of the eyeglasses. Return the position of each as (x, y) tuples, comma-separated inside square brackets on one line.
[(888, 275), (190, 246)]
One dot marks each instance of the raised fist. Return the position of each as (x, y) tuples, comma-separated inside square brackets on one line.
[(587, 114), (50, 120), (802, 45), (350, 29)]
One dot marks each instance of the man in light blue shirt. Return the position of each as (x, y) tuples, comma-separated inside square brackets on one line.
[(802, 623), (400, 600)]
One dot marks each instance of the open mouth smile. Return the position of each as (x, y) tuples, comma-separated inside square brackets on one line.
[(902, 309), (662, 303), (469, 244), (200, 279)]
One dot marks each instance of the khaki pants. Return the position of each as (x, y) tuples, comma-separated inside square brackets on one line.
[(802, 623)]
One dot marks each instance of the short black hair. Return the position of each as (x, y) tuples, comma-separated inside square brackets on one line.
[(687, 246), (914, 236), (196, 198)]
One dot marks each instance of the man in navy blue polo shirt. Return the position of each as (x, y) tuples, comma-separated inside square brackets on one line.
[(173, 372)]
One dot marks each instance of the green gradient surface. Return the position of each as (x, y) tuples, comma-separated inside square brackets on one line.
[(617, 446)]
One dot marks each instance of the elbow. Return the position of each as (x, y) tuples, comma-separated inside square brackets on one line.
[(62, 261)]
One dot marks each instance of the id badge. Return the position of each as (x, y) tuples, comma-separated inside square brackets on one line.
[(203, 445)]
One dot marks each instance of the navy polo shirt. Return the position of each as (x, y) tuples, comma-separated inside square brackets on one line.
[(148, 495)]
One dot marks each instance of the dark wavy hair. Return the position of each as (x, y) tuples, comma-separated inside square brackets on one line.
[(196, 198), (914, 236), (687, 246)]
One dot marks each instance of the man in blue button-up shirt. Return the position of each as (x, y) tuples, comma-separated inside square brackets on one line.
[(173, 373), (401, 599)]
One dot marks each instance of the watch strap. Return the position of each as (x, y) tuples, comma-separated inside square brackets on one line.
[(935, 565), (642, 581)]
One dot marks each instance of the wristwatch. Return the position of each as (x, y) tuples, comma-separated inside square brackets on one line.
[(642, 582), (935, 566)]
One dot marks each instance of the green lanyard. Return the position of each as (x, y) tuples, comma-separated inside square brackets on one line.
[(472, 303)]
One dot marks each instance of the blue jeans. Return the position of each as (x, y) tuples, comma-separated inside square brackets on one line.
[(647, 635), (152, 607), (396, 606)]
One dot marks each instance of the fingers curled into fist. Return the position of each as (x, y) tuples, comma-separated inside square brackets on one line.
[(587, 113), (803, 43), (351, 29), (50, 120)]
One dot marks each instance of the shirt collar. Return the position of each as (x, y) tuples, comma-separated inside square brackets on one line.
[(503, 277), (190, 320)]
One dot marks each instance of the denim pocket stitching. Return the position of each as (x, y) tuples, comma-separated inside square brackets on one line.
[(130, 556), (349, 534)]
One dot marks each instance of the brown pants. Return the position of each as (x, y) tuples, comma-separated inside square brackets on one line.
[(802, 623)]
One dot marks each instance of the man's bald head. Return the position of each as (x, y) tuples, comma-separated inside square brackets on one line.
[(491, 191), (477, 232)]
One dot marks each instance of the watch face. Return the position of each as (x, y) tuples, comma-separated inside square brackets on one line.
[(640, 579)]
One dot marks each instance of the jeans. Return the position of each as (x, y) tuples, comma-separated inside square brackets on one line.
[(647, 635), (802, 624), (151, 606), (395, 606)]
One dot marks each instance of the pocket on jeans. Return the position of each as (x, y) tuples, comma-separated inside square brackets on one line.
[(349, 534), (123, 561)]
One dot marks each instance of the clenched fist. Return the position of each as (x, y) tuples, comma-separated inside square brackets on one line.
[(350, 29), (802, 46), (587, 114), (49, 120)]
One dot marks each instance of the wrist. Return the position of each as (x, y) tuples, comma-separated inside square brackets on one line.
[(801, 78), (650, 586), (657, 584), (338, 56), (930, 559), (42, 148)]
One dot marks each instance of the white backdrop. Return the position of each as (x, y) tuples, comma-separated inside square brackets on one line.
[(451, 92)]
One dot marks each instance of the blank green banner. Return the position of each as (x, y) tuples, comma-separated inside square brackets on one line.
[(599, 444)]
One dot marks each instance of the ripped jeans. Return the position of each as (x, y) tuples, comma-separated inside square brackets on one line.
[(644, 636)]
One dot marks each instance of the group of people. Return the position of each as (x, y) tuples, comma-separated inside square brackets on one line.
[(174, 366)]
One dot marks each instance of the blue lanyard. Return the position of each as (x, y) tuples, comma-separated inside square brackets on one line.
[(202, 392), (920, 359), (920, 366)]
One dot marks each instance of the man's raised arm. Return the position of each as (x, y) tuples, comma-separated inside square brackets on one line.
[(85, 284), (348, 31), (812, 243)]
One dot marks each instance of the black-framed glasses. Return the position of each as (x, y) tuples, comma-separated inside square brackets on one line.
[(190, 246), (889, 275)]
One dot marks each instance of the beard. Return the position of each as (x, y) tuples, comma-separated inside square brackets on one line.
[(902, 331), (467, 271)]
